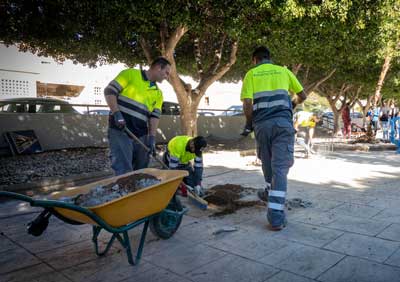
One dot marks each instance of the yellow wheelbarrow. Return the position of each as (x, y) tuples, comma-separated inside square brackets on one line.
[(155, 205)]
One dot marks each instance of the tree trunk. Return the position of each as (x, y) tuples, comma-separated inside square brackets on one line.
[(381, 80)]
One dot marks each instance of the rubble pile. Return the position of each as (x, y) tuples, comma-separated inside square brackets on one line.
[(123, 186)]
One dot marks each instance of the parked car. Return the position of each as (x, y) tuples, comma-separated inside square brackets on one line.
[(170, 108), (35, 105), (356, 120), (206, 114), (235, 110), (98, 112)]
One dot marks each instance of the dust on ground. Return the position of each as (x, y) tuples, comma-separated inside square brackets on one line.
[(123, 186)]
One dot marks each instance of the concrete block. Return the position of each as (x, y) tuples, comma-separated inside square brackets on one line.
[(108, 268), (185, 258), (359, 225), (307, 234), (391, 233), (284, 276), (232, 268), (303, 260), (353, 269), (363, 246), (17, 259)]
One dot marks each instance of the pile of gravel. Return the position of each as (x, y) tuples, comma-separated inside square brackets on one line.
[(62, 163)]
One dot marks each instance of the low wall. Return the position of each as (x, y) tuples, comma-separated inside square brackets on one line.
[(60, 131)]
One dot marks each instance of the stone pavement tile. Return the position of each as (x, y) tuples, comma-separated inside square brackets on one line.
[(345, 196), (16, 224), (363, 246), (357, 210), (52, 238), (250, 244), (16, 259), (323, 204), (284, 276), (27, 274), (386, 203), (394, 259), (232, 268), (72, 255), (353, 269), (391, 233), (6, 244), (390, 215), (156, 275), (307, 234), (363, 226), (314, 217), (12, 208), (184, 258), (302, 260), (108, 268)]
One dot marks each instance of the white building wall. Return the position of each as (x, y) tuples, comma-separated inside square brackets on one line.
[(17, 85)]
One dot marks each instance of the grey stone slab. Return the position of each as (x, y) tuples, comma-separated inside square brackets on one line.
[(52, 238), (357, 210), (157, 275), (232, 268), (303, 260), (386, 203), (394, 259), (391, 233), (345, 196), (307, 234), (363, 246), (389, 215), (16, 224), (27, 274), (315, 217), (284, 276), (6, 244), (359, 225), (250, 244), (108, 268), (353, 269), (324, 204), (185, 258), (16, 259), (72, 255)]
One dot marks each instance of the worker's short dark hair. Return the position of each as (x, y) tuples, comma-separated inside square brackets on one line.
[(199, 144), (261, 53), (160, 61)]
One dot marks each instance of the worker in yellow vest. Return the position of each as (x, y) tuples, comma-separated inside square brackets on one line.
[(304, 123), (185, 152), (135, 102), (268, 108)]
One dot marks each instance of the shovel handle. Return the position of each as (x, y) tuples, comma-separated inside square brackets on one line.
[(134, 137)]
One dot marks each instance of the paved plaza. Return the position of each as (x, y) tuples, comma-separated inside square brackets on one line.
[(350, 233)]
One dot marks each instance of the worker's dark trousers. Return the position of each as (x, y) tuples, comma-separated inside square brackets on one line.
[(275, 147), (195, 173), (126, 155)]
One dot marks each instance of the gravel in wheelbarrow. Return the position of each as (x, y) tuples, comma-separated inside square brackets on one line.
[(123, 186)]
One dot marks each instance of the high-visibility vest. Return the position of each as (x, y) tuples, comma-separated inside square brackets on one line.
[(268, 85)]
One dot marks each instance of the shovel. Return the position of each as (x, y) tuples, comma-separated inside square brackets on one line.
[(198, 201)]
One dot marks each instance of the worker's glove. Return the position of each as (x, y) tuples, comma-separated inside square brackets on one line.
[(247, 129), (119, 120), (199, 190), (151, 143)]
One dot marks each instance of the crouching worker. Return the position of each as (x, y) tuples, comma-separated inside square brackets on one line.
[(185, 153)]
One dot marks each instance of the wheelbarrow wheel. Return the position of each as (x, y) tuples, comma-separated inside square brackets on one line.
[(166, 223)]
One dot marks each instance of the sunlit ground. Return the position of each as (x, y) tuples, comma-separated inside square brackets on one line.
[(355, 170)]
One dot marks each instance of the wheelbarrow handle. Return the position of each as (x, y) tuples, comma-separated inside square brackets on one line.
[(134, 137), (17, 196)]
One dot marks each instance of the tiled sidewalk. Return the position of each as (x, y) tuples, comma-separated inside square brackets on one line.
[(352, 233)]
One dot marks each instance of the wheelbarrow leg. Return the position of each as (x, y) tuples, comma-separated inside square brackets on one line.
[(127, 246), (96, 232)]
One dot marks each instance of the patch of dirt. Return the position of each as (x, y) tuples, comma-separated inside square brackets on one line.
[(123, 186), (227, 198)]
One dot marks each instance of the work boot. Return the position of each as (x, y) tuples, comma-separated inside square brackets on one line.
[(263, 194), (278, 227)]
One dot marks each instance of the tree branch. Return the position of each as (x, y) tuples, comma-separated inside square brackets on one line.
[(197, 57), (296, 68), (146, 49)]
